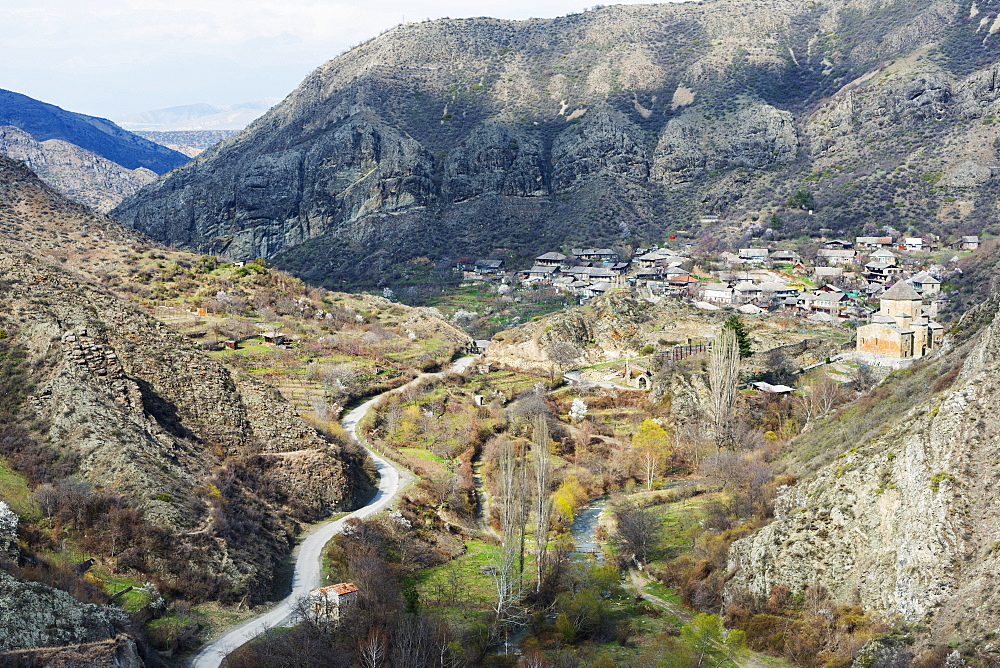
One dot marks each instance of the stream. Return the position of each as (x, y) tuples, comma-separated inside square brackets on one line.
[(584, 529)]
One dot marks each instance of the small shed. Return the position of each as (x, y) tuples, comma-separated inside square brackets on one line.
[(229, 344), (273, 338)]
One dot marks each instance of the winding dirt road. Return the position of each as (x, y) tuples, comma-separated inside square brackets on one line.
[(308, 562)]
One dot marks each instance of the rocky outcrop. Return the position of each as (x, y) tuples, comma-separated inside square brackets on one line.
[(34, 615), (498, 160), (75, 172), (604, 142), (120, 652), (617, 326), (904, 524), (758, 136)]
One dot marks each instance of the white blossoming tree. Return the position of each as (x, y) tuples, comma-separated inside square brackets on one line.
[(8, 521), (578, 409)]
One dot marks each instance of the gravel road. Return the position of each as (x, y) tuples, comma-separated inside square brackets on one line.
[(308, 559)]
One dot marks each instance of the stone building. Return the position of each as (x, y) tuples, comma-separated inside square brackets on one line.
[(900, 329), (330, 602)]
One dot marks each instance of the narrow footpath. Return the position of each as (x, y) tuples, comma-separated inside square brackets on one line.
[(308, 561)]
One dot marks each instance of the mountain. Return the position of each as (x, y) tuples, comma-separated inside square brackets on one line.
[(198, 117), (77, 173), (99, 136), (617, 125)]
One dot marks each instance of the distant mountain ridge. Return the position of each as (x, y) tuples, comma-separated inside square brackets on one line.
[(75, 172), (45, 121), (198, 117), (618, 125)]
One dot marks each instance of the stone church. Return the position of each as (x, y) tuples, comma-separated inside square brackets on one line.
[(900, 329)]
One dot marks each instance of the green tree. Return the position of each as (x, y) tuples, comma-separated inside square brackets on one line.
[(802, 199), (711, 644), (742, 337)]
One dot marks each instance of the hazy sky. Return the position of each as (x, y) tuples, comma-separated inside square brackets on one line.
[(112, 58)]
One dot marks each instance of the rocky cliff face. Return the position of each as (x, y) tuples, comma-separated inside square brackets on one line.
[(461, 137), (904, 524), (77, 173)]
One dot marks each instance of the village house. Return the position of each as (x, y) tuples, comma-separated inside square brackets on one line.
[(925, 285), (593, 290), (596, 254), (837, 244), (540, 273), (899, 330), (551, 259), (827, 274), (835, 256), (745, 292), (489, 268), (590, 273), (778, 291), (331, 602), (467, 267), (970, 243), (884, 255), (873, 243), (753, 255), (683, 283), (718, 293), (785, 257), (831, 302), (658, 258), (273, 338), (880, 272), (651, 274), (915, 244)]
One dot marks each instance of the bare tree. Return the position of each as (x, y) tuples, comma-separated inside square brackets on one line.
[(824, 393), (373, 650), (508, 577), (724, 371), (542, 455), (636, 532)]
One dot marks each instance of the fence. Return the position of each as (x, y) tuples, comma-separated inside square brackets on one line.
[(680, 352)]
